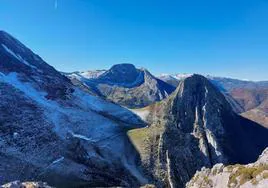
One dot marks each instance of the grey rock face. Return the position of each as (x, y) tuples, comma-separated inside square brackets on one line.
[(18, 184), (253, 175), (198, 128)]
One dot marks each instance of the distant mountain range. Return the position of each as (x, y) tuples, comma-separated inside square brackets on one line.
[(75, 129), (248, 98)]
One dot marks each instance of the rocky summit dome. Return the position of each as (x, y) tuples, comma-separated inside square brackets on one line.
[(122, 75)]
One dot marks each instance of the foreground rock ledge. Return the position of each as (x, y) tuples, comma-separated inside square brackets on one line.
[(253, 175), (18, 184)]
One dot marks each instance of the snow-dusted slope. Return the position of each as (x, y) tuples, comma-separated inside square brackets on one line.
[(52, 131), (80, 75), (173, 79), (174, 76)]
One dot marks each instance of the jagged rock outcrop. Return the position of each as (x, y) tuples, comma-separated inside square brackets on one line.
[(195, 127), (254, 175), (128, 86), (18, 184), (52, 131)]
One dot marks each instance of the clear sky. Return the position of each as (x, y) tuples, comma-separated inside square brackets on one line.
[(217, 37)]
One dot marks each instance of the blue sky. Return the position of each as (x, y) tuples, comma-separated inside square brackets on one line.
[(223, 37)]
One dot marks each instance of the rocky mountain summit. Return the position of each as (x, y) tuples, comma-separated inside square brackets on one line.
[(253, 175), (126, 85), (248, 98), (52, 131), (193, 128)]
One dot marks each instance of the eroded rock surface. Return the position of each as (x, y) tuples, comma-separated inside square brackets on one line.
[(254, 175)]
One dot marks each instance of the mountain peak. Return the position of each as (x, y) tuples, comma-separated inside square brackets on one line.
[(126, 85), (126, 75), (124, 69), (197, 78), (198, 85), (198, 108), (123, 66), (197, 91)]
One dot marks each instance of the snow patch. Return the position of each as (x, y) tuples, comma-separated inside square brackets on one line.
[(142, 113), (52, 108), (211, 140), (82, 137), (182, 76), (169, 171), (174, 76), (206, 91), (15, 135), (17, 56), (91, 74), (26, 88), (209, 134), (57, 160), (104, 107), (98, 112)]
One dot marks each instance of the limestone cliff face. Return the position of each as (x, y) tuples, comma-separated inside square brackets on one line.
[(196, 127)]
